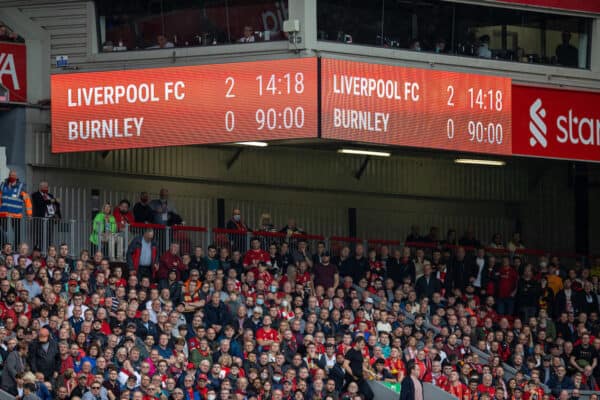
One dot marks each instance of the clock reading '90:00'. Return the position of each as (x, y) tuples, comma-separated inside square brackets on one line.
[(278, 99), (415, 107), (262, 100)]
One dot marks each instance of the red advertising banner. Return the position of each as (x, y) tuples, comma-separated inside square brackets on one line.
[(13, 70), (592, 6), (263, 100), (424, 108), (553, 123)]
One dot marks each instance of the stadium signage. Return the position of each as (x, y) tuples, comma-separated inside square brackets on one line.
[(572, 5), (13, 70), (262, 100), (556, 123), (402, 106)]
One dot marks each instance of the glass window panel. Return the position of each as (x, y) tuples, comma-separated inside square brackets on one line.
[(459, 29), (149, 24)]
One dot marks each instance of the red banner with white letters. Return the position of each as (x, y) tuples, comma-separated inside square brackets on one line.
[(13, 70), (592, 6), (553, 123)]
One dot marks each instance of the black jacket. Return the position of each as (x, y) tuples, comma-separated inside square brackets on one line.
[(141, 331), (407, 391), (337, 374), (354, 267), (427, 289), (218, 315), (143, 213), (398, 270), (39, 205), (585, 306), (459, 274), (46, 362)]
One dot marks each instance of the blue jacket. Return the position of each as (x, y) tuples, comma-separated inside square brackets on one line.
[(15, 199)]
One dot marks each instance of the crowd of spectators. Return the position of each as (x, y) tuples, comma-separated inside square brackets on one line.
[(281, 320)]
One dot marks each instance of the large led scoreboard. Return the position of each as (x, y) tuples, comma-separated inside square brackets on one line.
[(201, 104), (320, 98), (415, 107)]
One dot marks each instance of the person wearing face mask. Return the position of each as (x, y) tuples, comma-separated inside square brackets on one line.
[(236, 223), (14, 202), (45, 205)]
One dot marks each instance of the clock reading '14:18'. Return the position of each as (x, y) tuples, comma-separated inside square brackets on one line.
[(276, 85)]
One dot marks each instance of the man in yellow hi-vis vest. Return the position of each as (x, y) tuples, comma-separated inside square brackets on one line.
[(14, 203)]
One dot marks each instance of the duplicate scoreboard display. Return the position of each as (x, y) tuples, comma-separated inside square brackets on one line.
[(415, 107), (264, 100), (271, 100)]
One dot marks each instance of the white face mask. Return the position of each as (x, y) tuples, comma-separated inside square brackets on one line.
[(211, 397)]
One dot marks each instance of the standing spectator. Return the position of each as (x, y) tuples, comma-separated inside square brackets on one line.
[(528, 293), (507, 288), (469, 239), (353, 366), (587, 300), (291, 228), (236, 223), (104, 232), (566, 53), (45, 205), (401, 266), (303, 254), (14, 202), (44, 356), (412, 388), (460, 272), (123, 215), (142, 211), (357, 265), (427, 284), (414, 236), (15, 363), (515, 243), (325, 273), (142, 254), (164, 211)]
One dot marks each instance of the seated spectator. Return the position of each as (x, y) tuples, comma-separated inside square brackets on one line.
[(484, 47), (162, 43), (248, 36), (415, 45)]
